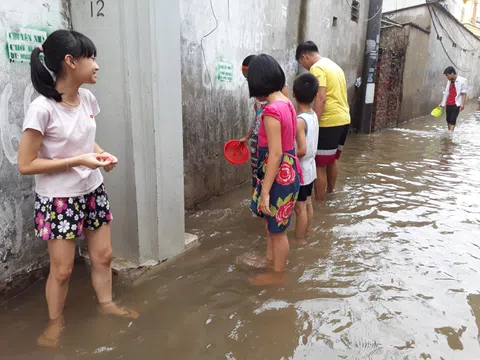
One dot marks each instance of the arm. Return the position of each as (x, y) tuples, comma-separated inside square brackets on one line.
[(464, 101), (464, 95), (319, 102), (301, 138), (445, 96), (30, 164), (97, 149), (274, 136), (246, 138)]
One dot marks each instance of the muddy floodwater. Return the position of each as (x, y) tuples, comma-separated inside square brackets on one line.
[(391, 271)]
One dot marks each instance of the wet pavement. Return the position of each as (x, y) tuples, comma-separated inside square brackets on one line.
[(390, 272)]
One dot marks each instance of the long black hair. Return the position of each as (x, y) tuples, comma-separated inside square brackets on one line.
[(265, 76), (59, 44)]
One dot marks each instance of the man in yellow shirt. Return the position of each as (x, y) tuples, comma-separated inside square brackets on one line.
[(333, 111)]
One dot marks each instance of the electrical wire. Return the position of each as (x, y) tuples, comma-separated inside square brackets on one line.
[(367, 20), (462, 27), (204, 37), (440, 39), (447, 32), (374, 16), (462, 31)]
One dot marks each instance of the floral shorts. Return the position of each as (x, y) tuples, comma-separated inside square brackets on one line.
[(65, 218)]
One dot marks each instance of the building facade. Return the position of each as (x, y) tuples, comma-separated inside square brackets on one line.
[(416, 45)]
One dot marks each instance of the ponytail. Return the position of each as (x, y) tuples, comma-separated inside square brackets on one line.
[(59, 44), (42, 80)]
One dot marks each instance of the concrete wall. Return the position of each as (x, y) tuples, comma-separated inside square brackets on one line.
[(107, 34), (19, 251), (139, 92), (453, 6), (218, 109), (426, 60), (393, 5)]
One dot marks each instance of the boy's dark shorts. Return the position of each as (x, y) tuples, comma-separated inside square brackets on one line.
[(452, 114), (330, 144), (305, 192)]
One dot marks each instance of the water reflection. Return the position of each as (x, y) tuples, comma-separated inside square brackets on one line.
[(390, 271)]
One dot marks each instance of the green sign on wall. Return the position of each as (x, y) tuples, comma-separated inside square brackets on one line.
[(21, 42), (224, 71)]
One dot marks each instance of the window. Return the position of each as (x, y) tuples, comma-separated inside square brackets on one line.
[(355, 11)]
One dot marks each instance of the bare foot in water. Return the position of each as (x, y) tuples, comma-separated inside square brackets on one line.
[(260, 262), (268, 278), (50, 338), (111, 308)]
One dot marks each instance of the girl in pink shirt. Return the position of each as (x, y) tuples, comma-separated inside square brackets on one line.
[(58, 147), (279, 172)]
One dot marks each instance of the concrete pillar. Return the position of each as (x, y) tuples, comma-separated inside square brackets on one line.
[(139, 91), (370, 64)]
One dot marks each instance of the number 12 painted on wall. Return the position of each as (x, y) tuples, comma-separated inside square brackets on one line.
[(101, 5)]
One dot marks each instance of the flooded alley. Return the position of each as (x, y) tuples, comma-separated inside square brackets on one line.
[(390, 272)]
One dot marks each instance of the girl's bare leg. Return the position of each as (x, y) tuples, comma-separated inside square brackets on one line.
[(301, 224), (309, 215), (62, 256), (281, 250), (100, 252), (261, 261)]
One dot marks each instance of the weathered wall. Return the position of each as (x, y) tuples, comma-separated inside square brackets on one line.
[(216, 107), (217, 110), (23, 23), (389, 80), (426, 60), (453, 6)]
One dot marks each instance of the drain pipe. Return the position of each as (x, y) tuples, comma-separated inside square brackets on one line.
[(370, 65)]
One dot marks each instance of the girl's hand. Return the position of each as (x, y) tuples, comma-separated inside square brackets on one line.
[(94, 161), (264, 206), (243, 140), (113, 161)]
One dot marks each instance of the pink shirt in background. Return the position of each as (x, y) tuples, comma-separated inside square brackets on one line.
[(284, 112), (66, 133)]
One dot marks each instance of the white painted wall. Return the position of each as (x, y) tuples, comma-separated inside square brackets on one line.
[(453, 6), (392, 5), (19, 251), (139, 92)]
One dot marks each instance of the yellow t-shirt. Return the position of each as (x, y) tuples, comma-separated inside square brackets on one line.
[(331, 76)]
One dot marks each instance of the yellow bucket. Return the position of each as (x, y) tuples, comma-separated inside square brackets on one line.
[(437, 112)]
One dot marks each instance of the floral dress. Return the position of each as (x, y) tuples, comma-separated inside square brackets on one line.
[(285, 189), (258, 106)]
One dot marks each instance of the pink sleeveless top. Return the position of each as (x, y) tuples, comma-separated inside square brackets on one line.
[(284, 112)]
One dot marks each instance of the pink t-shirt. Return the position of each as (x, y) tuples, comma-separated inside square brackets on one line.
[(66, 133), (284, 112)]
